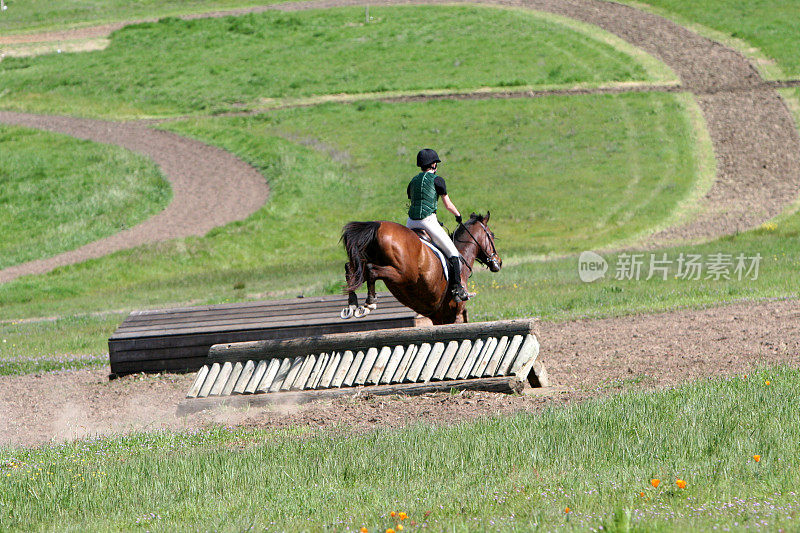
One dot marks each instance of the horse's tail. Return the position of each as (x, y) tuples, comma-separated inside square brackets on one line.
[(357, 236)]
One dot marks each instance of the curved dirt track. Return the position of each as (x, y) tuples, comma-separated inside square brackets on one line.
[(584, 358), (210, 187)]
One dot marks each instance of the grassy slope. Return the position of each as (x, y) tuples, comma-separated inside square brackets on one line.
[(200, 66), (572, 198), (25, 16), (58, 193), (507, 474), (773, 26)]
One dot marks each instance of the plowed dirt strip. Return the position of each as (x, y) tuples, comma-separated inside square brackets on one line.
[(584, 358), (210, 186)]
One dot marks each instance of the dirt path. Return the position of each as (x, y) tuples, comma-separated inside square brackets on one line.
[(584, 358), (210, 186)]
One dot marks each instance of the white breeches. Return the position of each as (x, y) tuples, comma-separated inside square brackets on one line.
[(437, 233)]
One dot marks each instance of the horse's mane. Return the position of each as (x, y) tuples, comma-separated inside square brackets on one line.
[(472, 218)]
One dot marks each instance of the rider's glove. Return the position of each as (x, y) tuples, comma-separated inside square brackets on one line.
[(458, 219)]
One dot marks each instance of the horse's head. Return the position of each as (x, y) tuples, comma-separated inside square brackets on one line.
[(478, 230)]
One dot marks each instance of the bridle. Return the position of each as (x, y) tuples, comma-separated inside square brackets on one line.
[(487, 258)]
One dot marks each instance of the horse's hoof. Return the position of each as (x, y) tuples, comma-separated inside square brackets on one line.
[(371, 307), (347, 312), (361, 312)]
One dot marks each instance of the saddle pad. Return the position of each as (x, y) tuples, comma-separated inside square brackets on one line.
[(440, 255)]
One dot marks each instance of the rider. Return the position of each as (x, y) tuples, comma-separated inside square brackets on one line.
[(424, 191)]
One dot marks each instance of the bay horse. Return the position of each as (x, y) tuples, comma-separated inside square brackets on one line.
[(393, 253)]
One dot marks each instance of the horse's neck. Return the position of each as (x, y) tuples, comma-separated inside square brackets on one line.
[(467, 248)]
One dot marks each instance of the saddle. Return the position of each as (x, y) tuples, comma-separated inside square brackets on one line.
[(426, 240), (422, 234)]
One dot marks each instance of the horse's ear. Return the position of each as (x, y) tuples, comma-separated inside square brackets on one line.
[(486, 218), (473, 215)]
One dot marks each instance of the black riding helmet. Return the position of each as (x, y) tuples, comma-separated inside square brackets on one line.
[(426, 157)]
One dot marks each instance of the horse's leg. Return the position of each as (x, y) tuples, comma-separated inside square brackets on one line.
[(352, 297), (372, 298), (464, 317), (375, 273)]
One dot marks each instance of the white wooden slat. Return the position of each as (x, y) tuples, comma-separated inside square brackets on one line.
[(483, 358), (269, 376), (305, 371), (198, 382), (529, 350), (502, 344), (379, 366), (471, 358), (330, 370), (446, 360), (508, 357), (391, 367), (353, 371), (209, 382), (316, 374), (402, 369), (432, 362), (222, 379), (459, 359), (366, 366), (283, 372), (255, 379), (344, 368), (244, 377), (418, 363), (291, 376), (234, 377)]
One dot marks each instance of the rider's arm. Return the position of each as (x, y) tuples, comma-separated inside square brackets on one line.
[(450, 206), (441, 190)]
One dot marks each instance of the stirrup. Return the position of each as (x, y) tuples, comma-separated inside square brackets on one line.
[(460, 294)]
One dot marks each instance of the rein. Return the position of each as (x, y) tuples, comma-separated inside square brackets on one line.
[(491, 241)]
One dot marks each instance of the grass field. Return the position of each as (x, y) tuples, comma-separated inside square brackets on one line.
[(516, 473), (324, 174), (357, 166), (58, 193), (773, 26), (201, 66)]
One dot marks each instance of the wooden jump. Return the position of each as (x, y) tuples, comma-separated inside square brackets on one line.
[(178, 340), (496, 356)]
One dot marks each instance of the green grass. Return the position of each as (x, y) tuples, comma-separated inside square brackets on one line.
[(773, 26), (515, 473), (554, 291), (58, 193), (39, 15), (65, 343), (554, 190), (210, 65)]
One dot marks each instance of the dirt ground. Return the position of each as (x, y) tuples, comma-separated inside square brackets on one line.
[(584, 358)]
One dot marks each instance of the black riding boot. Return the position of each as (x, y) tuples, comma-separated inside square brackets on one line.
[(458, 291)]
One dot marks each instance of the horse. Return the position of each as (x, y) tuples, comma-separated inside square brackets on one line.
[(393, 253)]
